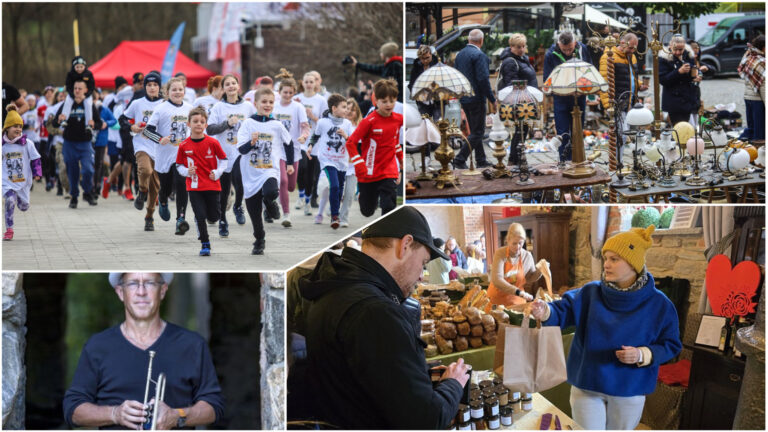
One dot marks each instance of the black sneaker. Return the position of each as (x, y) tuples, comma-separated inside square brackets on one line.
[(139, 201), (313, 202), (273, 210), (89, 199), (267, 219), (182, 226), (258, 247), (149, 224), (223, 228), (239, 214), (73, 203), (59, 190)]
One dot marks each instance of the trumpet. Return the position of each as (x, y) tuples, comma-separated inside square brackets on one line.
[(151, 422)]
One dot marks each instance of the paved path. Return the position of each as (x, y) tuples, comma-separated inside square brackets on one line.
[(111, 236)]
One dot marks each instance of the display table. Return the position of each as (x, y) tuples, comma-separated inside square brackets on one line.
[(751, 187), (531, 420), (478, 185)]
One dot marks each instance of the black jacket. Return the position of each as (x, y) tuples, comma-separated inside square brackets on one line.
[(515, 68), (365, 357), (393, 68), (679, 93), (76, 127), (472, 62), (86, 76), (417, 70)]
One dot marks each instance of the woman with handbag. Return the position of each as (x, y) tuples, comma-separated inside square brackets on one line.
[(625, 329), (512, 269)]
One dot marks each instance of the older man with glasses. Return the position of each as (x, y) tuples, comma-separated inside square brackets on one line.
[(627, 83), (109, 384)]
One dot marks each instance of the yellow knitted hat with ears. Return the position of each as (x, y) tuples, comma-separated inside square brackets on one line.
[(12, 118), (631, 246)]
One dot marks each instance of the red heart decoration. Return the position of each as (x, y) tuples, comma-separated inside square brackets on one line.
[(730, 290)]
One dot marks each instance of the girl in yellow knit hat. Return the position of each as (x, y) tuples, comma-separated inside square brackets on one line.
[(21, 163), (625, 329)]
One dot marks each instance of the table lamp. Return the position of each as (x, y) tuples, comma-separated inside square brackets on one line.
[(520, 106)]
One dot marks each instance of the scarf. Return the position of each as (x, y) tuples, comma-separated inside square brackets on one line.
[(642, 278), (752, 68), (20, 140)]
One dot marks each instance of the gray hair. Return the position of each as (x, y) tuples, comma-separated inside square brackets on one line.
[(676, 40), (476, 35), (628, 37), (565, 38)]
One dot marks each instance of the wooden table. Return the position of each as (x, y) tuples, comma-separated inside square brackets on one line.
[(751, 187), (478, 185)]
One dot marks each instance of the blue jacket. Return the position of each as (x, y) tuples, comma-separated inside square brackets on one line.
[(552, 60), (473, 63), (106, 115), (606, 319)]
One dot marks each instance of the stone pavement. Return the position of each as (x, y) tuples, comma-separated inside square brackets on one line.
[(111, 236)]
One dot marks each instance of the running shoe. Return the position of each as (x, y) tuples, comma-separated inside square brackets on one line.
[(299, 203), (267, 219), (239, 215), (164, 212), (206, 249), (105, 188), (8, 234), (344, 224), (319, 219), (286, 222), (258, 247), (149, 224), (307, 210), (128, 195), (139, 201), (334, 222), (89, 199), (273, 210), (182, 226), (73, 203), (223, 228)]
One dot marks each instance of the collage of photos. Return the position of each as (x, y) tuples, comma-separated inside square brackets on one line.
[(383, 215)]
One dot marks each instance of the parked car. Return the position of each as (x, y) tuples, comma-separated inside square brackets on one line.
[(723, 45)]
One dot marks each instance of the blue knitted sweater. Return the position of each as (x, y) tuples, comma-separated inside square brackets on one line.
[(606, 319)]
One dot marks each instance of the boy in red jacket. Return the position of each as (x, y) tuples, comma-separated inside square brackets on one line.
[(378, 164), (201, 160)]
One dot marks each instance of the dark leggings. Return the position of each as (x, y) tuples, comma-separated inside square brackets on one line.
[(382, 192), (45, 159), (98, 167), (204, 206), (168, 181), (114, 159), (315, 163), (269, 192), (307, 175), (228, 180)]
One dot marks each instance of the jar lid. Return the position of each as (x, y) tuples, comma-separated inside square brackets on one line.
[(463, 408), (492, 400), (476, 404), (486, 384)]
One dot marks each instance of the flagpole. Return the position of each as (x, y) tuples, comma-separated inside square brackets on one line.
[(77, 37)]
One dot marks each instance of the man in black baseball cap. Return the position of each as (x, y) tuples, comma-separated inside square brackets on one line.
[(365, 359)]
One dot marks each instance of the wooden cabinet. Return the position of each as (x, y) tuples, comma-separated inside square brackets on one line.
[(713, 390), (547, 238)]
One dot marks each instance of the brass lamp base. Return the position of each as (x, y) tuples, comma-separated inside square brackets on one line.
[(446, 179), (444, 154), (579, 172), (471, 172), (695, 181)]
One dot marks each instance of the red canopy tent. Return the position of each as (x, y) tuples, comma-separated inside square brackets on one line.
[(143, 56)]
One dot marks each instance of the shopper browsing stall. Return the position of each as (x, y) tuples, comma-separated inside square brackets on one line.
[(625, 329)]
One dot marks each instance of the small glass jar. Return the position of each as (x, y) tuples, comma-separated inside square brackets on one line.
[(527, 402), (476, 410), (488, 393), (503, 394), (493, 422), (475, 395), (506, 416), (478, 424), (463, 416), (484, 384), (515, 402), (492, 406), (465, 426)]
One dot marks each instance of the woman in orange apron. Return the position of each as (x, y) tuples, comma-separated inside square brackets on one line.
[(511, 269)]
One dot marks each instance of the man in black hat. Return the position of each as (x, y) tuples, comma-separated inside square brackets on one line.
[(365, 358)]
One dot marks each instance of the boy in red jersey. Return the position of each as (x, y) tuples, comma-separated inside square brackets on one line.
[(378, 168), (202, 161)]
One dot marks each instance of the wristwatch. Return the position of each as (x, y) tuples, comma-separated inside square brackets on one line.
[(182, 420)]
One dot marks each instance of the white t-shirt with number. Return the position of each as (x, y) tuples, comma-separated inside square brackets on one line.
[(292, 116), (206, 102), (169, 120), (331, 147), (318, 105), (263, 159), (17, 168), (228, 139), (140, 110)]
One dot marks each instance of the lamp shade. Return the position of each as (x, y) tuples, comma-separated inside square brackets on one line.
[(639, 115), (718, 136), (760, 156), (498, 132), (424, 132), (695, 146), (653, 154), (737, 160), (441, 82), (412, 117), (666, 142), (575, 77), (684, 131), (519, 103)]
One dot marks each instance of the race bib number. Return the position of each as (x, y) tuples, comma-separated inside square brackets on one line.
[(14, 167)]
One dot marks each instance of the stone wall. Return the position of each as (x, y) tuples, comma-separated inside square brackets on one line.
[(580, 255), (272, 360), (14, 344)]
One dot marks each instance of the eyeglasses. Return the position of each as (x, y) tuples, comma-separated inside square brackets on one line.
[(134, 285)]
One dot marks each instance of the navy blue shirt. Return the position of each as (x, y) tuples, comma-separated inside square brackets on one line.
[(112, 370)]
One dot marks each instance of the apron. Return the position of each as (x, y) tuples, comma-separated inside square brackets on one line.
[(514, 274)]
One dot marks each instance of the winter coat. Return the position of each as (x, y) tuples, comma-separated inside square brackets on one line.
[(679, 92), (515, 68)]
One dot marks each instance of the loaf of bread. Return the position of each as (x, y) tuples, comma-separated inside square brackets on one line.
[(448, 330), (477, 330), (463, 328), (473, 315), (461, 343), (489, 323), (489, 338), (430, 350), (475, 342)]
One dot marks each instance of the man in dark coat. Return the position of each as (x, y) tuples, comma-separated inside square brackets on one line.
[(366, 367), (391, 68), (473, 63)]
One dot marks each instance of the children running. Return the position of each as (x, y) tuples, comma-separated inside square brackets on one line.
[(21, 163)]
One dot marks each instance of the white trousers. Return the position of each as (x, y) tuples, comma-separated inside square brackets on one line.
[(598, 411)]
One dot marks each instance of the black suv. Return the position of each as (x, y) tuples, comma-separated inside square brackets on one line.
[(723, 46)]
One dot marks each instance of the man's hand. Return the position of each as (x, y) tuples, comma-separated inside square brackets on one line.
[(166, 416), (628, 355), (457, 371), (539, 309), (62, 117), (289, 169), (130, 414), (684, 69), (704, 69)]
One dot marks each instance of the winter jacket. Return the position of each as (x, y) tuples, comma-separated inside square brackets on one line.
[(473, 63), (679, 93), (393, 68), (103, 135), (622, 70), (366, 364), (76, 128), (86, 76), (551, 60), (515, 68)]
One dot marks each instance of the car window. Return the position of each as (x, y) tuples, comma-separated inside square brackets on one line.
[(738, 36)]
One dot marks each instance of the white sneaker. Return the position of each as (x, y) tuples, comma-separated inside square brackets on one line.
[(307, 209), (299, 203), (319, 219), (286, 221), (344, 224)]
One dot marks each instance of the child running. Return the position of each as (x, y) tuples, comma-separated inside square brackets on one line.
[(350, 183), (263, 142), (21, 163), (196, 159), (309, 169), (226, 118), (329, 139), (293, 116), (167, 128), (377, 173)]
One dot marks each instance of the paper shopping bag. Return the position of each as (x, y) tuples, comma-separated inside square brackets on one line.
[(529, 360)]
